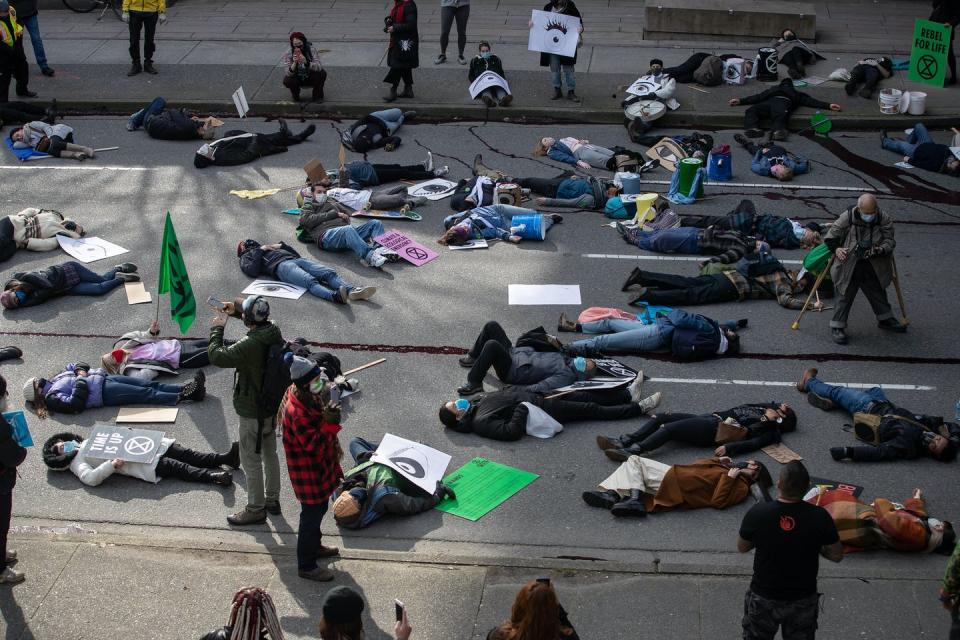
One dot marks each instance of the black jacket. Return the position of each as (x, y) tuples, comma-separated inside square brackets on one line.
[(404, 51), (931, 156), (8, 246), (256, 262), (786, 90), (569, 10), (369, 132), (899, 439), (499, 415), (42, 285), (946, 12), (173, 124), (759, 433), (11, 455)]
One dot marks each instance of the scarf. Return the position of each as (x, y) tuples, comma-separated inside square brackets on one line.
[(397, 15)]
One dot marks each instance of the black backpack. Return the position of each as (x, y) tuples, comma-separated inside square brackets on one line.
[(276, 378), (690, 344), (328, 362)]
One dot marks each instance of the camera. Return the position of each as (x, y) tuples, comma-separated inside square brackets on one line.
[(863, 249), (387, 23), (70, 226)]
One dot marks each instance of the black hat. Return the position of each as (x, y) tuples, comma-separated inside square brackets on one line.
[(342, 605), (656, 61), (62, 461)]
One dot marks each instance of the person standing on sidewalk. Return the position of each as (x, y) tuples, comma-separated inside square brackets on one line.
[(562, 63), (947, 12), (403, 54), (143, 14), (450, 10), (258, 437), (303, 68), (29, 14), (950, 592), (788, 534), (11, 456), (310, 420), (13, 61)]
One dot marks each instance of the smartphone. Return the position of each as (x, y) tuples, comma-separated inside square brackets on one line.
[(216, 304), (398, 608), (545, 581)]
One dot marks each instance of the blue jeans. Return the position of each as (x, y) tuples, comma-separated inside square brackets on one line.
[(32, 25), (568, 76), (92, 284), (393, 118), (123, 390), (140, 118), (359, 445), (627, 337), (852, 400), (352, 237), (319, 280), (308, 534), (918, 136)]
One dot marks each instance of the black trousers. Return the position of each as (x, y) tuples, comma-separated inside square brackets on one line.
[(546, 187), (193, 354), (447, 16), (623, 151), (683, 72), (20, 112), (776, 110), (678, 291), (394, 172), (954, 624), (148, 22), (952, 63), (6, 509), (739, 219), (394, 76), (14, 65), (864, 279), (689, 428), (491, 349), (188, 465), (582, 406), (865, 73)]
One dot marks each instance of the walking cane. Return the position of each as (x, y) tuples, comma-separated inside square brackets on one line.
[(896, 285), (816, 285)]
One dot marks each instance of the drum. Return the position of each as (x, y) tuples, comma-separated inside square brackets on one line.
[(767, 61), (509, 193), (646, 110)]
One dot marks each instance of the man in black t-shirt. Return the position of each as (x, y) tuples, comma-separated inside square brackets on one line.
[(788, 535)]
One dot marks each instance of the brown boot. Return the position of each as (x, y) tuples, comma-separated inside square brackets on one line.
[(565, 325), (802, 382)]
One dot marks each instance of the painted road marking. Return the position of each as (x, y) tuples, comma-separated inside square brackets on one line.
[(620, 256), (35, 167), (775, 383), (773, 185)]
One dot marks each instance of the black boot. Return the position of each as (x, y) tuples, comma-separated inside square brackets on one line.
[(635, 277), (135, 68), (630, 507), (612, 442), (601, 499), (149, 68), (407, 91), (306, 133), (10, 353), (222, 478), (557, 93), (621, 455), (390, 97), (231, 458)]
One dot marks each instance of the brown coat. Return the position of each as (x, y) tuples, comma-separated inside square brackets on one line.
[(703, 483), (846, 231)]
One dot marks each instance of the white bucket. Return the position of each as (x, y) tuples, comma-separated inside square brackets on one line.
[(889, 100), (918, 103)]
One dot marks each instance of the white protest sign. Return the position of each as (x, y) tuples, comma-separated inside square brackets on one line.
[(436, 189), (418, 463), (644, 85), (89, 249), (274, 289), (130, 445), (240, 102), (610, 375), (554, 33), (486, 80), (535, 294)]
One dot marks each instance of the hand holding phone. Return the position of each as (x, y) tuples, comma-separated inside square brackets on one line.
[(216, 304), (401, 630), (398, 609)]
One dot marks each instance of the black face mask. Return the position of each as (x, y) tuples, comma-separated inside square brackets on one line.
[(790, 37)]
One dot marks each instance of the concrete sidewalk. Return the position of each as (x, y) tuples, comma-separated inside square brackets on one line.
[(132, 582), (208, 49)]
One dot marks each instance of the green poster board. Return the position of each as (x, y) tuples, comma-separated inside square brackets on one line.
[(928, 58), (481, 486)]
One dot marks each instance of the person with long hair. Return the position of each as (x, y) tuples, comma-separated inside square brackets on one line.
[(536, 615), (583, 154), (403, 53), (303, 68)]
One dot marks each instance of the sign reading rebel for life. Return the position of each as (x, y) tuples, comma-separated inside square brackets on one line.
[(554, 33), (413, 252), (130, 445), (928, 56)]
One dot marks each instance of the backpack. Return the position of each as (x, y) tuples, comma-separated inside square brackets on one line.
[(539, 340), (328, 362), (276, 377), (690, 344), (757, 264), (710, 72)]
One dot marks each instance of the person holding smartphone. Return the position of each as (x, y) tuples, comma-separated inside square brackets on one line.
[(536, 607), (341, 617), (303, 68)]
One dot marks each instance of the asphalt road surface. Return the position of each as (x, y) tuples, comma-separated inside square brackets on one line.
[(123, 195)]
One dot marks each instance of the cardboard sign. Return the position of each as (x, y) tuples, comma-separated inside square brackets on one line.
[(130, 445), (136, 293), (422, 465), (89, 249), (486, 80), (781, 453), (413, 252), (315, 171), (832, 485), (240, 102), (928, 57), (21, 432), (554, 33), (436, 189), (147, 414)]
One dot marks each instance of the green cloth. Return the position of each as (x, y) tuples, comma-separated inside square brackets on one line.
[(481, 486), (816, 259), (248, 356), (174, 279)]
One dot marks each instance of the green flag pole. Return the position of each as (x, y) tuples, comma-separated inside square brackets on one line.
[(173, 279)]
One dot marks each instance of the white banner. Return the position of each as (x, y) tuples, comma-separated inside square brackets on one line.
[(89, 249), (418, 463), (486, 80), (554, 33), (644, 85)]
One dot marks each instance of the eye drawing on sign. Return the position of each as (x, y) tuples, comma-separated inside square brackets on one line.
[(556, 35), (430, 189), (274, 287), (412, 462)]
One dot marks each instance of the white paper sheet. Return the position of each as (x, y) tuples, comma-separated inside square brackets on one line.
[(422, 465), (240, 102), (536, 294), (90, 249), (903, 165), (815, 81), (274, 289)]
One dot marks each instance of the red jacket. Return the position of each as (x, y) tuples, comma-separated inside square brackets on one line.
[(313, 451)]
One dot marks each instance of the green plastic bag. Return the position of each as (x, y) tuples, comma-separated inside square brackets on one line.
[(816, 259)]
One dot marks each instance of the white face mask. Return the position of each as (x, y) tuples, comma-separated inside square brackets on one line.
[(319, 198)]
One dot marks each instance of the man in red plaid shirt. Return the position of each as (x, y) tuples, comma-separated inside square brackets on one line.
[(310, 421)]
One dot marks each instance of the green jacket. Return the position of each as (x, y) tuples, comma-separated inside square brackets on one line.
[(248, 357)]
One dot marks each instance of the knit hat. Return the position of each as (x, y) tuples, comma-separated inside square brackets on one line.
[(30, 386), (256, 309), (4, 5), (342, 605), (346, 507), (656, 61), (9, 298), (302, 371)]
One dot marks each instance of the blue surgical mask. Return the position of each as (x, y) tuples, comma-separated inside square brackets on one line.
[(485, 55), (69, 447), (21, 296), (462, 404), (580, 364), (868, 218)]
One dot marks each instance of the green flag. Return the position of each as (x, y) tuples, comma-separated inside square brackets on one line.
[(174, 279)]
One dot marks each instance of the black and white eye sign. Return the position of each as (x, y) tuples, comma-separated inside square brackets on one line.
[(130, 445), (644, 85), (554, 33), (610, 375), (610, 368), (486, 80), (274, 289), (422, 465)]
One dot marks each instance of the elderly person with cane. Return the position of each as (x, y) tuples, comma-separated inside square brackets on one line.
[(862, 244)]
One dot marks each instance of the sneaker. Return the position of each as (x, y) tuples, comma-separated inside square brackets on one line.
[(440, 59), (779, 135), (319, 574), (649, 404), (149, 68), (820, 402), (362, 293), (391, 255), (623, 231), (374, 259), (635, 388), (469, 389), (740, 139), (466, 361), (892, 324), (11, 576), (442, 171), (461, 59), (135, 69), (48, 71), (428, 164), (128, 277), (246, 517), (409, 115), (572, 96), (126, 267), (130, 125), (839, 335), (753, 133)]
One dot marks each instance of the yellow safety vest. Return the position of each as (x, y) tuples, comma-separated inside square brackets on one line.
[(145, 6), (5, 35)]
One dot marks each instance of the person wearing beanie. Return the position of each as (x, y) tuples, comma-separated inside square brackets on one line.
[(65, 451), (302, 68), (257, 423), (143, 14), (888, 431), (372, 490), (35, 229), (310, 420), (12, 456), (30, 288), (145, 355), (340, 619), (280, 261), (13, 60), (78, 387)]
